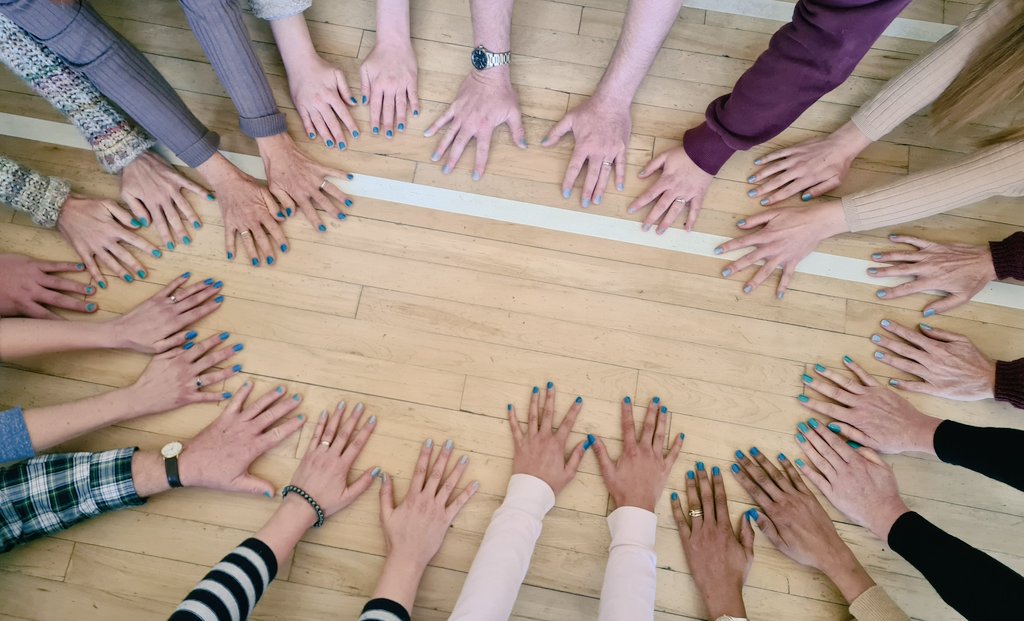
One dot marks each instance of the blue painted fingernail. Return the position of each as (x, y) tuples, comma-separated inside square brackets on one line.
[(188, 345), (656, 400), (157, 253), (886, 323), (342, 146), (747, 288), (312, 135), (819, 368), (536, 389), (929, 312), (196, 224), (579, 399), (800, 463), (739, 454), (509, 407), (718, 250), (388, 133), (586, 203), (566, 193), (675, 497), (231, 256), (128, 278), (102, 284), (551, 385), (364, 99), (218, 284), (415, 112), (401, 127), (255, 262), (348, 202), (627, 400), (873, 271), (284, 247), (752, 193), (735, 468), (806, 197), (726, 273), (751, 178), (135, 223), (90, 290), (802, 398), (209, 197), (476, 176), (621, 187), (238, 347), (288, 211), (925, 327), (753, 515), (754, 451), (280, 214), (280, 390), (376, 131), (834, 428), (690, 475), (350, 176), (270, 260), (236, 368), (144, 222), (853, 444), (590, 442), (355, 135), (879, 355), (716, 471), (806, 378), (802, 427), (170, 245), (782, 457), (322, 228), (682, 437), (764, 202), (741, 222), (208, 281), (141, 274), (881, 293), (448, 444), (757, 162), (226, 395), (780, 295), (875, 338), (330, 143), (187, 240), (90, 307), (296, 397), (191, 334), (224, 336), (847, 360), (801, 438), (700, 466), (664, 410), (218, 299), (341, 216), (894, 382), (352, 100), (597, 200), (814, 423), (877, 256)]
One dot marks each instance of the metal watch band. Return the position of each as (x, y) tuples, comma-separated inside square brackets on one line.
[(497, 59), (171, 468)]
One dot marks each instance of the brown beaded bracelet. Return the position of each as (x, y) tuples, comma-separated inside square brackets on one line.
[(316, 507)]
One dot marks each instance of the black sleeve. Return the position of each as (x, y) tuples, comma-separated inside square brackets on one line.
[(991, 451), (972, 582), (382, 609)]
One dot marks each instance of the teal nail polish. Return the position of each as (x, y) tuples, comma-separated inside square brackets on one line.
[(90, 307), (355, 134), (929, 312), (656, 400), (875, 338), (814, 423), (819, 368), (270, 260), (551, 385), (268, 494), (627, 400), (197, 225), (880, 294), (700, 466), (350, 177), (376, 131), (802, 427), (375, 473), (102, 284), (401, 127), (218, 284), (322, 228), (141, 274), (352, 100), (726, 273), (135, 223), (675, 497), (847, 360), (621, 187), (716, 471), (187, 240), (752, 193), (834, 428), (682, 437), (735, 468), (853, 444), (191, 334), (364, 99), (128, 278), (925, 327), (690, 475), (509, 407), (802, 398), (224, 336), (312, 136), (342, 146), (739, 454), (226, 395), (664, 410), (800, 463), (255, 262), (764, 202), (296, 397), (170, 245), (284, 247), (894, 383), (800, 437), (389, 133), (448, 444), (280, 390), (590, 442), (718, 250), (236, 368), (330, 143), (415, 112), (157, 253), (780, 295), (579, 399), (209, 197), (753, 515), (280, 214), (805, 197), (80, 266), (536, 389), (754, 451), (188, 345), (751, 178), (741, 222), (144, 222), (807, 378), (90, 290), (288, 212), (238, 347), (879, 355), (782, 457), (231, 256), (208, 281), (218, 299), (348, 202)]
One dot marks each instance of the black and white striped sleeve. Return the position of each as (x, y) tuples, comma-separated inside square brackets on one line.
[(233, 587), (382, 609)]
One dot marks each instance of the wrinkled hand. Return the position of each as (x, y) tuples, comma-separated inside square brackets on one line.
[(681, 184), (875, 416), (638, 477), (948, 363), (155, 193), (26, 285), (298, 182), (220, 455), (96, 229), (710, 536), (415, 529), (248, 210), (157, 324), (959, 270), (176, 378), (333, 449), (485, 101), (388, 77), (540, 451), (811, 168), (601, 134), (787, 237), (857, 481), (322, 98)]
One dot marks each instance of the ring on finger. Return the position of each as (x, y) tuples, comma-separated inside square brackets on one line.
[(245, 233), (696, 513), (174, 300), (324, 443), (199, 383), (606, 163), (322, 184), (684, 201)]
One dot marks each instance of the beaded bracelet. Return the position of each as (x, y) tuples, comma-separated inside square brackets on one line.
[(316, 507)]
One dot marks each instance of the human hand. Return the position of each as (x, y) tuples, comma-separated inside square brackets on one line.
[(333, 449), (155, 192), (156, 325), (176, 378), (959, 270), (485, 101), (948, 364), (875, 416), (26, 285), (388, 78), (298, 182), (96, 229), (787, 237), (857, 481), (540, 452), (249, 211), (682, 184), (220, 455), (322, 98), (601, 134), (415, 529), (796, 524), (638, 477), (708, 535), (810, 168)]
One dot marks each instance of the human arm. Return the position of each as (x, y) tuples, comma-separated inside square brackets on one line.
[(26, 190), (539, 471), (601, 126), (635, 482), (388, 75), (486, 98), (26, 285)]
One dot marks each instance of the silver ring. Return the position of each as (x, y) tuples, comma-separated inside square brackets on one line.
[(606, 163), (199, 383), (324, 443), (696, 513), (684, 201), (244, 233), (174, 300), (323, 184)]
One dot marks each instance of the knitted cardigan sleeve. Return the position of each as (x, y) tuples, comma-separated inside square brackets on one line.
[(34, 193), (115, 139), (278, 9)]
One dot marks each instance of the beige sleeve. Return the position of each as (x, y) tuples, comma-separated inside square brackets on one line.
[(995, 171), (876, 605), (926, 79)]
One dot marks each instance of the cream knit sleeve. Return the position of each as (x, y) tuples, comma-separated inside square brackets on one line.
[(926, 79), (876, 605)]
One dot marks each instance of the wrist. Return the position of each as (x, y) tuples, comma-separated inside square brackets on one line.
[(148, 474), (923, 434), (885, 515), (634, 500), (846, 572), (217, 170), (131, 402), (493, 76), (831, 220), (269, 146), (728, 601), (851, 139), (988, 265), (286, 527)]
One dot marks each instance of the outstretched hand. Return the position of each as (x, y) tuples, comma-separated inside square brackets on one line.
[(26, 285), (540, 450), (601, 133), (157, 324), (682, 185)]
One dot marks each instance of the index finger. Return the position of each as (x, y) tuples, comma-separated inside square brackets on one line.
[(626, 420)]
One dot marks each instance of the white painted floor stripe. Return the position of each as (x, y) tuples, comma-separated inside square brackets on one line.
[(783, 12), (527, 214)]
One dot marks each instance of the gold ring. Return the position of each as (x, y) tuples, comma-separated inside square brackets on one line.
[(324, 443), (696, 513), (323, 184)]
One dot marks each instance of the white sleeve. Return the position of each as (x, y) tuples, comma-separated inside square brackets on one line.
[(630, 577), (501, 563)]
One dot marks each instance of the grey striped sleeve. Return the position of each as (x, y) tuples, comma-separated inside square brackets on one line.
[(231, 590)]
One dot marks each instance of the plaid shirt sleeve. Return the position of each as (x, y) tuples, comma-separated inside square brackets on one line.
[(50, 493)]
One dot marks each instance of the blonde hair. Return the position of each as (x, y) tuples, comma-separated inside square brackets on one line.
[(993, 79)]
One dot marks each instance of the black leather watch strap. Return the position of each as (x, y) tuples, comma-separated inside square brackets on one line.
[(171, 467)]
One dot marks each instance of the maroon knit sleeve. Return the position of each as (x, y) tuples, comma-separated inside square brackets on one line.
[(1008, 256), (1010, 382)]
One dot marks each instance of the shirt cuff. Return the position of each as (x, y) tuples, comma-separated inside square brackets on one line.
[(382, 609), (633, 526), (706, 148), (278, 9), (529, 494), (1008, 256), (263, 126), (110, 480), (876, 605), (15, 443), (201, 150), (1010, 382)]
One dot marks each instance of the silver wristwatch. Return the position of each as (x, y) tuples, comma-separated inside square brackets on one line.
[(482, 58)]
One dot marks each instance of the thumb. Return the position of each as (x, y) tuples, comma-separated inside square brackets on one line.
[(747, 532), (387, 497), (515, 125), (557, 131), (947, 303), (604, 462), (652, 166), (250, 484), (573, 465)]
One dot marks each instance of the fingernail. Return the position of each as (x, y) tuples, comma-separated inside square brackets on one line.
[(690, 475), (782, 457), (128, 278), (847, 360), (752, 193), (925, 327), (802, 427), (739, 454), (875, 338), (268, 494), (590, 442), (284, 247), (873, 271), (90, 307), (280, 214), (102, 284), (364, 99), (814, 423), (157, 253), (312, 136), (270, 260), (341, 216), (238, 347), (415, 112), (834, 428), (226, 395), (376, 131), (236, 368), (536, 389), (224, 336), (355, 134), (348, 202), (342, 146), (675, 497), (446, 169), (757, 162), (218, 284), (780, 295), (597, 200), (735, 468), (231, 255), (551, 385), (509, 407), (566, 193), (474, 486), (700, 466), (448, 444), (196, 224), (764, 202), (90, 290), (135, 223), (620, 187), (401, 127), (579, 399), (322, 228), (664, 410), (819, 368), (877, 256), (802, 398), (741, 222), (718, 250), (682, 437), (627, 400), (323, 415), (208, 281), (753, 515), (754, 451), (879, 355), (853, 444), (586, 203), (894, 382), (881, 293), (296, 397), (372, 420), (805, 197), (389, 133), (352, 100), (656, 400), (716, 471), (209, 197), (187, 240), (280, 389), (799, 463), (801, 439), (301, 417), (255, 262), (726, 273), (751, 178), (330, 143), (218, 299), (886, 323), (929, 312), (429, 443), (806, 378), (747, 288), (288, 211)]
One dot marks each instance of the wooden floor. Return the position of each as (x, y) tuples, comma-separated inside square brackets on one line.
[(435, 321)]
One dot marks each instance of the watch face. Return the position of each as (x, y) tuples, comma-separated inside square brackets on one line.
[(479, 59), (171, 450)]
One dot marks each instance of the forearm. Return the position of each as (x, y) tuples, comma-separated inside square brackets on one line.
[(20, 338), (399, 580), (874, 604), (233, 587), (293, 41), (51, 425), (995, 171), (393, 22), (645, 27), (36, 194), (630, 577), (286, 527), (492, 24), (990, 451)]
